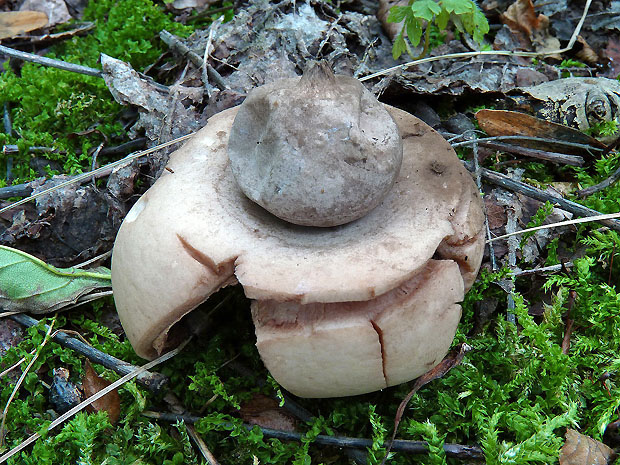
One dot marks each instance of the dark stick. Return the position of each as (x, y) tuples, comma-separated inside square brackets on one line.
[(400, 445), (152, 381), (601, 185), (50, 62), (562, 158), (18, 190), (24, 190), (516, 186), (176, 45)]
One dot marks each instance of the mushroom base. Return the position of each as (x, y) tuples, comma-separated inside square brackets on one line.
[(349, 348)]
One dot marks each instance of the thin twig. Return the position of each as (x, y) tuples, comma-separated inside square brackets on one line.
[(15, 365), (50, 62), (103, 256), (176, 45), (202, 446), (152, 381), (523, 138), (79, 29), (459, 451), (61, 419), (542, 270), (21, 380), (589, 219), (103, 169), (572, 295), (454, 358), (508, 283), (212, 29), (328, 34), (572, 207), (561, 158), (487, 52)]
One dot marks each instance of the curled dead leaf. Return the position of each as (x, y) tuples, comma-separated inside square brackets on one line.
[(111, 402), (580, 449), (586, 53)]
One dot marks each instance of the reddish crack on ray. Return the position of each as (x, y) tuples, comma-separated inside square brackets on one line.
[(379, 332), (205, 260)]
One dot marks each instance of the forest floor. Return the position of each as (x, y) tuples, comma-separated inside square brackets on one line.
[(528, 96)]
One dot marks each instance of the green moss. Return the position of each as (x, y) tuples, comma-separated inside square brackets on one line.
[(71, 112)]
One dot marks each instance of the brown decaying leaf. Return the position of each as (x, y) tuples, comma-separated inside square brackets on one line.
[(111, 402), (13, 23), (266, 413), (581, 450), (586, 53), (509, 123), (55, 10), (521, 18), (454, 358)]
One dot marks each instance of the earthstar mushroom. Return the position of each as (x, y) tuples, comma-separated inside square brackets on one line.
[(338, 310)]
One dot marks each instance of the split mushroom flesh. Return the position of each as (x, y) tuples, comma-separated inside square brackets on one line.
[(339, 310)]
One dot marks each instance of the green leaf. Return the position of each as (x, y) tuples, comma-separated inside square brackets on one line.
[(442, 19), (397, 14), (399, 46), (29, 284), (425, 9), (414, 31), (481, 26), (458, 7)]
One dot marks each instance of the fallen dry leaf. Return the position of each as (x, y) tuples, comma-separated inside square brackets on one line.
[(55, 10), (521, 18), (265, 412), (92, 383), (14, 23), (510, 123), (583, 450)]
